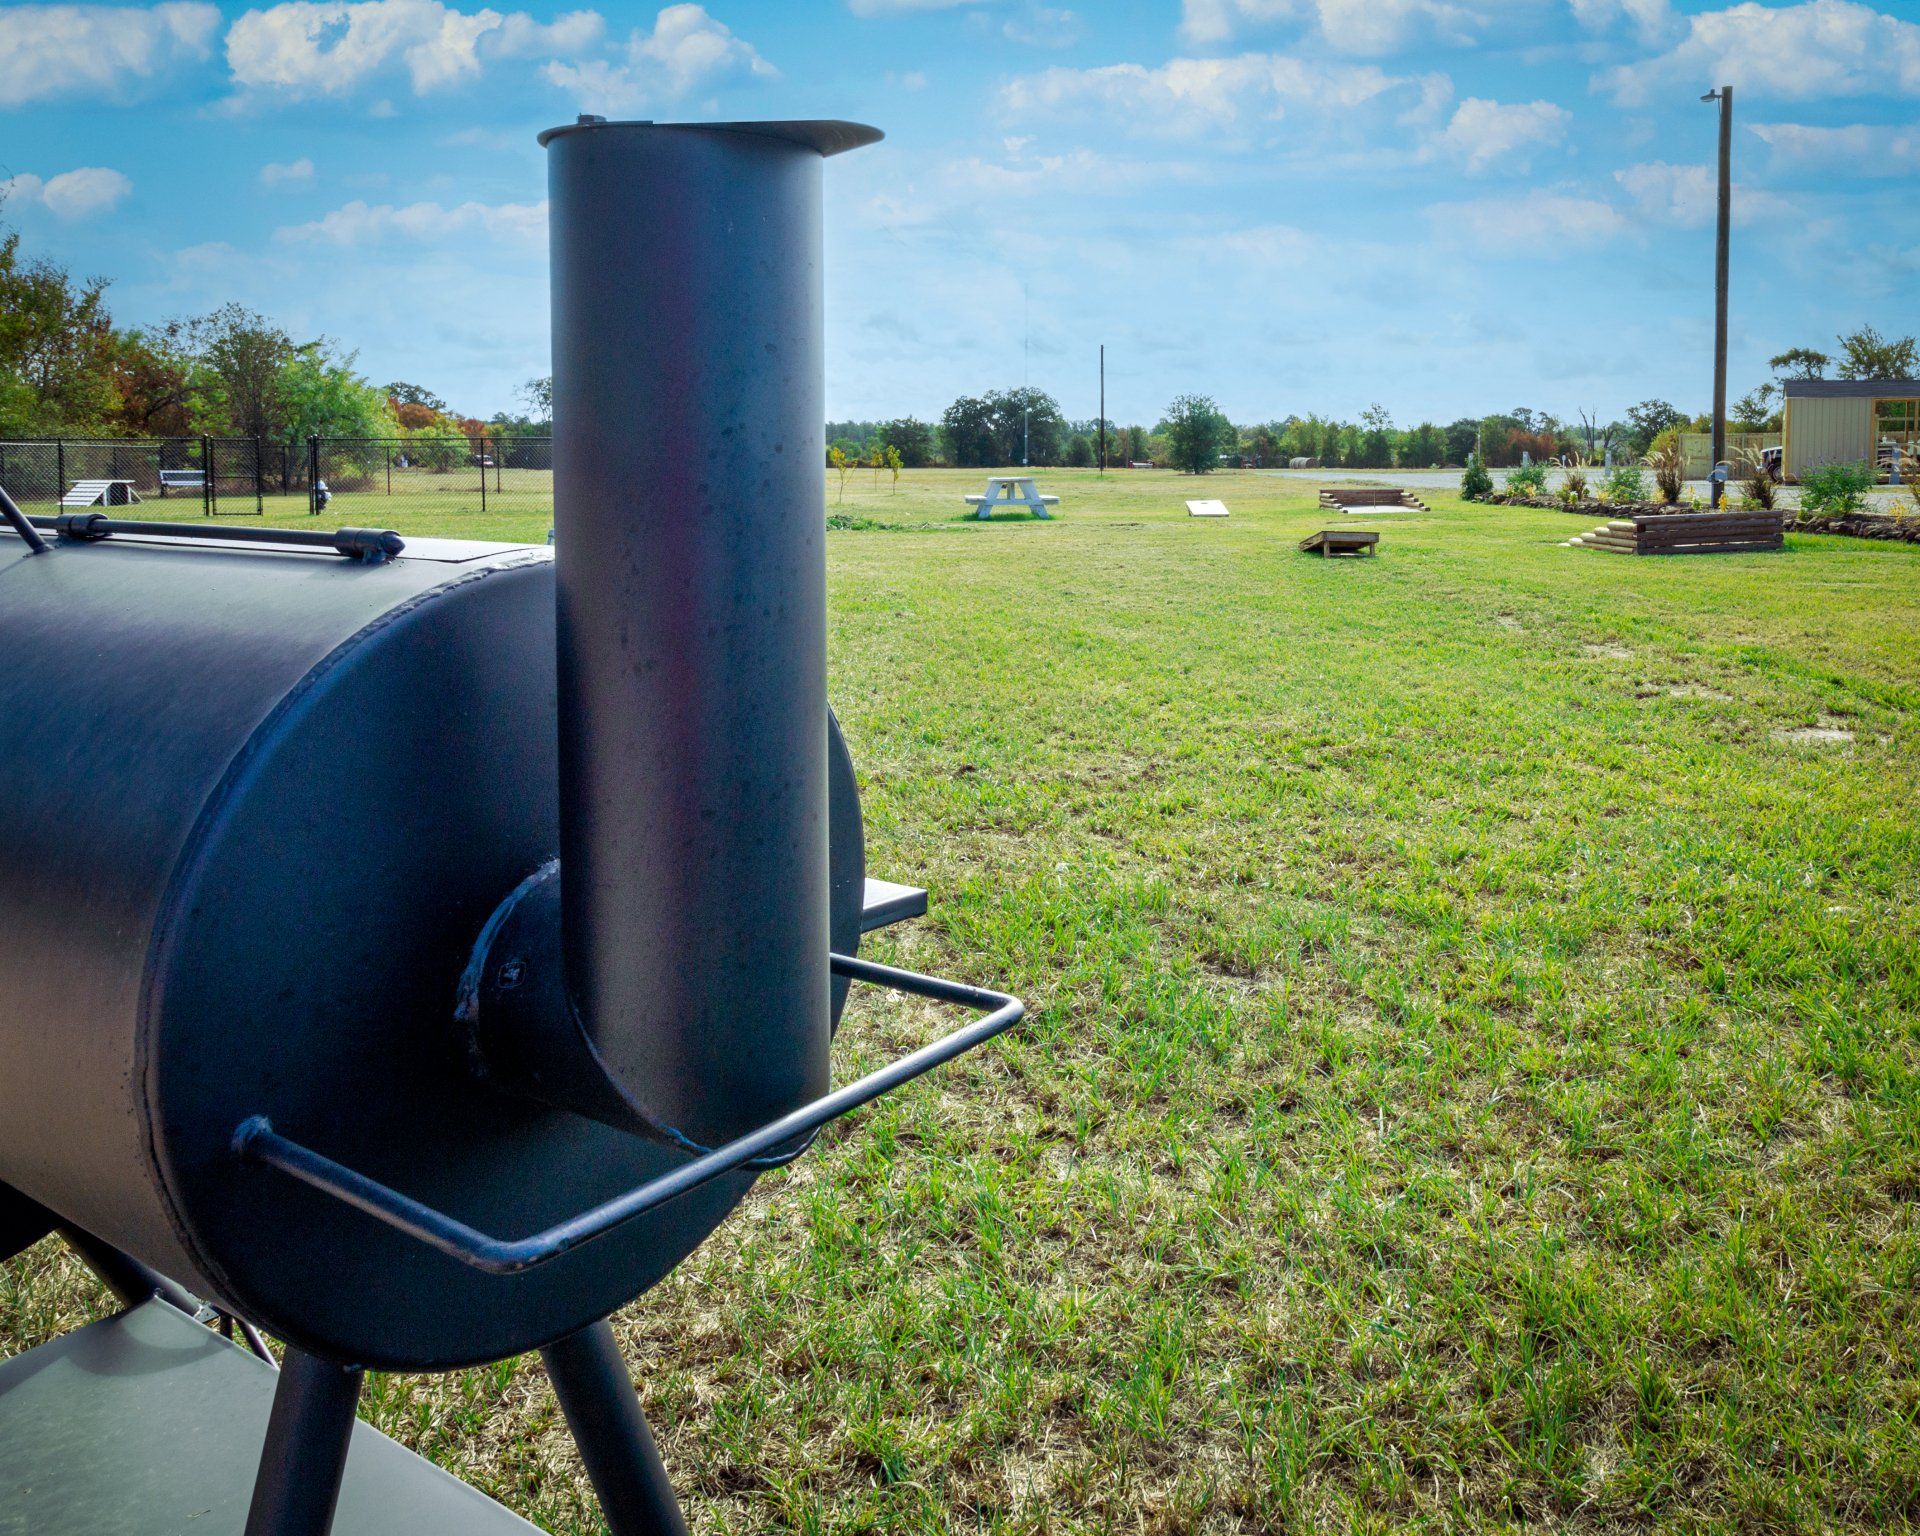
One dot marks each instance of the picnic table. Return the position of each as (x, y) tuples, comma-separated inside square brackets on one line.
[(1012, 491)]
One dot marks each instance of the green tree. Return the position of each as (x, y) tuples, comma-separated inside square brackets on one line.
[(536, 396), (246, 357), (966, 428), (1423, 447), (1866, 354), (912, 438), (1649, 419), (1376, 437), (157, 383), (401, 393), (57, 348), (1197, 432), (1461, 436), (1800, 363), (1027, 426)]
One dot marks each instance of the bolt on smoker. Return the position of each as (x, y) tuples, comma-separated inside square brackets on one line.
[(416, 948)]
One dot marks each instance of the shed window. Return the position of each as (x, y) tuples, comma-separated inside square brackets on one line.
[(1897, 421)]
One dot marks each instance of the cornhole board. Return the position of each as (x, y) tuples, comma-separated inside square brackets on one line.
[(147, 1424), (1342, 541), (1206, 509)]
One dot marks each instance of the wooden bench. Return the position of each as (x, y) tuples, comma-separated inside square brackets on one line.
[(100, 493), (1341, 541), (1346, 498), (1688, 533)]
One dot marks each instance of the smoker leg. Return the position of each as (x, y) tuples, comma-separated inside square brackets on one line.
[(596, 1394), (124, 1275), (298, 1483)]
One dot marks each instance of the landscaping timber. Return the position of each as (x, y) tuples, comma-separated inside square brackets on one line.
[(1349, 498), (1687, 533)]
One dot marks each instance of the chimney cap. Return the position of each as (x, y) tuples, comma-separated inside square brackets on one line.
[(826, 136)]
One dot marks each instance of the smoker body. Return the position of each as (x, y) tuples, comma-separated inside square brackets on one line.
[(416, 948), (274, 799)]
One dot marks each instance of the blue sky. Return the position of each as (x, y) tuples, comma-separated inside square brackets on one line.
[(1445, 206)]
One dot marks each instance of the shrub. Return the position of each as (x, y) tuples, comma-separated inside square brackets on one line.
[(1836, 490), (1669, 472), (1476, 484), (1624, 483), (1574, 487), (1527, 480)]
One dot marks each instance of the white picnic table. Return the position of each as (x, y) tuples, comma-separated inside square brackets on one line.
[(1012, 491)]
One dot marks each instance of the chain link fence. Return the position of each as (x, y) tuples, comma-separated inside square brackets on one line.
[(378, 477), (361, 480), (214, 476)]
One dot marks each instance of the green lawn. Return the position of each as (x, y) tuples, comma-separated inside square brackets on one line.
[(1472, 1072)]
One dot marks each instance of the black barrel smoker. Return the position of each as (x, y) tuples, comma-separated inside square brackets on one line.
[(414, 949)]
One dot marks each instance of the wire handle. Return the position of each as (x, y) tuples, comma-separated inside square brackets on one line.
[(256, 1141)]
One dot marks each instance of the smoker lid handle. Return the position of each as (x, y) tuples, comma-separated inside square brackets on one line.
[(256, 1141)]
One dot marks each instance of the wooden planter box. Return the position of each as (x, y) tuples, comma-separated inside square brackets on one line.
[(1689, 533)]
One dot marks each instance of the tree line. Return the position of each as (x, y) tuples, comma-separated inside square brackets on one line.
[(1027, 426), (67, 370)]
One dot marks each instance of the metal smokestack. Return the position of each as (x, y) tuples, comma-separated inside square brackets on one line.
[(689, 411)]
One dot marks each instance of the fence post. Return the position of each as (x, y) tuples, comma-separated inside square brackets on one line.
[(483, 474), (313, 475), (259, 477), (209, 499), (60, 469)]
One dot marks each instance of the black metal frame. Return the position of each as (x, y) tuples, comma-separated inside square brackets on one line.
[(255, 1140)]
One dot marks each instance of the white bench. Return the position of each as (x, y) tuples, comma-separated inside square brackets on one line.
[(1012, 491), (100, 493), (182, 480)]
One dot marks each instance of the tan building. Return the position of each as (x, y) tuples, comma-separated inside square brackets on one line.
[(1852, 421)]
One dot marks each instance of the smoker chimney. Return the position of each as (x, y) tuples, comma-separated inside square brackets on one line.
[(689, 411)]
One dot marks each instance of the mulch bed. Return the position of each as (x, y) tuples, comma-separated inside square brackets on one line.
[(1866, 525)]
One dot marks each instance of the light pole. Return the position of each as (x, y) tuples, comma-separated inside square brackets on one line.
[(1724, 231), (1103, 407)]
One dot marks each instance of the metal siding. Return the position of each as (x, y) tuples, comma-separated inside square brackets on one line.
[(1827, 430)]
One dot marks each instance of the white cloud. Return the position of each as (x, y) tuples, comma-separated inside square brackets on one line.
[(70, 195), (1482, 132), (1043, 26), (1812, 49), (272, 175), (1197, 96), (1653, 20), (1529, 223), (307, 48), (358, 223), (521, 37), (687, 47), (1370, 27), (1689, 194), (1861, 149), (49, 51)]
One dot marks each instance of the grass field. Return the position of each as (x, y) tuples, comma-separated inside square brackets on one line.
[(1474, 1071)]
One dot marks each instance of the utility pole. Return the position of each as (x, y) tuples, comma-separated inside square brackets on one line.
[(1725, 232), (1103, 407)]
